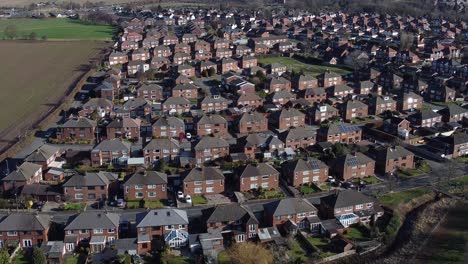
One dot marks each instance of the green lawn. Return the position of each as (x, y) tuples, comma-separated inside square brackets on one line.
[(393, 199), (318, 241), (223, 257), (420, 170), (359, 233), (134, 204), (74, 206), (52, 28), (325, 186), (297, 253), (305, 189), (270, 194), (20, 258), (199, 199), (296, 65), (368, 180)]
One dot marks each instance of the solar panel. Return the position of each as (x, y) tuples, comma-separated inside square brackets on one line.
[(352, 161), (314, 164)]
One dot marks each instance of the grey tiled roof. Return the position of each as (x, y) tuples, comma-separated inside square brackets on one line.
[(211, 119), (94, 220), (81, 122), (169, 121), (147, 178), (24, 222), (23, 173), (345, 198), (162, 143), (90, 179), (113, 145), (230, 212), (290, 206), (258, 170), (162, 217), (211, 142), (203, 174)]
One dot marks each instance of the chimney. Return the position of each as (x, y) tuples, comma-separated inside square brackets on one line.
[(168, 213), (155, 212)]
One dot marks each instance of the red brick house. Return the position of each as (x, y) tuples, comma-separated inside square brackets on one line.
[(252, 122), (276, 84), (93, 186), (301, 82), (339, 90), (168, 127), (342, 132), (212, 125), (391, 159), (247, 62), (25, 230), (409, 101), (162, 51), (328, 79), (96, 229), (26, 173), (380, 104), (124, 128), (292, 210), (352, 166), (203, 181), (45, 155), (352, 109), (210, 148), (299, 172), (290, 118), (227, 65), (249, 99), (110, 151), (118, 58), (214, 103), (169, 226), (147, 185), (176, 105), (320, 113), (258, 176), (150, 92), (140, 55), (299, 137), (167, 149), (454, 113), (314, 95), (188, 91), (236, 222), (425, 118), (81, 128)]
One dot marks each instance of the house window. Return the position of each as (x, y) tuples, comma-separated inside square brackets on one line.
[(78, 196), (111, 230), (91, 196), (152, 186), (251, 228), (98, 231), (301, 215), (209, 181), (278, 217), (198, 183), (254, 178), (209, 189), (27, 243), (198, 190), (359, 206), (264, 184), (84, 231), (152, 194), (12, 233), (70, 246), (78, 188), (111, 240), (138, 187), (139, 195), (169, 227), (241, 238)]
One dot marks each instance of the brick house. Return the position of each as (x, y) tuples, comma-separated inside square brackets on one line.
[(26, 173), (168, 127), (96, 229), (301, 82), (298, 137), (350, 207), (261, 145), (440, 93), (252, 122), (299, 172), (454, 113), (147, 185), (110, 151), (25, 230), (391, 159), (185, 70), (293, 210), (188, 91), (93, 186), (227, 65), (247, 61), (80, 128), (249, 99), (210, 148), (290, 118), (425, 118), (320, 113), (212, 125), (380, 104), (314, 95), (118, 58), (352, 166), (340, 90), (276, 84), (342, 132), (167, 149), (141, 54), (365, 87), (353, 109), (176, 105), (45, 155), (281, 98), (101, 106), (162, 51), (262, 175), (202, 181), (124, 128), (151, 92), (168, 226), (408, 101), (214, 103), (453, 146), (236, 222), (328, 79)]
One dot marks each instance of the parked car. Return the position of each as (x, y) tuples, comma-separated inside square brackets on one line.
[(180, 195), (120, 203), (188, 199)]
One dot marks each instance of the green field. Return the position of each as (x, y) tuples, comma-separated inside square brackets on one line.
[(396, 198), (296, 65), (57, 29)]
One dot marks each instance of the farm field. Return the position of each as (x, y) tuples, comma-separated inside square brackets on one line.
[(164, 3), (296, 65), (57, 29), (35, 76)]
